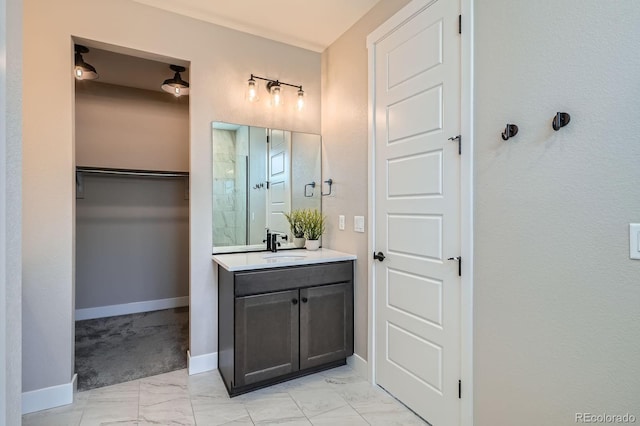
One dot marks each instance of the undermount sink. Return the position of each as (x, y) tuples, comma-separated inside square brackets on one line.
[(283, 257)]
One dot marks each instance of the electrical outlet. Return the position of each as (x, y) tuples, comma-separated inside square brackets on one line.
[(341, 222), (358, 223)]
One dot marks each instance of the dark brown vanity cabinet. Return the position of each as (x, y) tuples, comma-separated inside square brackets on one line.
[(281, 323)]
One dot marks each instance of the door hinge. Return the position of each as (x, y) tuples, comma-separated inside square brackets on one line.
[(459, 24), (459, 259), (459, 139), (459, 389)]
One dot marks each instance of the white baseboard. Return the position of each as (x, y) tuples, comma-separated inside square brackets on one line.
[(201, 363), (131, 308), (54, 396), (359, 365)]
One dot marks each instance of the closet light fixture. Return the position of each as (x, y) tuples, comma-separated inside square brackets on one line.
[(83, 70), (176, 85), (274, 87)]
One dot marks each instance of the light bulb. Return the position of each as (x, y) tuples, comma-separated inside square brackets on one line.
[(81, 69), (252, 91), (300, 99), (176, 92), (276, 96)]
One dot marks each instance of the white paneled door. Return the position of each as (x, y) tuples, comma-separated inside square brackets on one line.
[(417, 210), (279, 199)]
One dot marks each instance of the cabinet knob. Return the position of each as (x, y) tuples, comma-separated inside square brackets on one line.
[(305, 300), (294, 301)]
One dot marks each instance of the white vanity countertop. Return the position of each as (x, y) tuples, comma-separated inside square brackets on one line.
[(266, 259)]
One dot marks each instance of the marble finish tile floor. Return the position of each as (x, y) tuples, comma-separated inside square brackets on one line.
[(338, 397)]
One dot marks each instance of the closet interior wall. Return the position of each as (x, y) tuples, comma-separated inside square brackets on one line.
[(132, 233)]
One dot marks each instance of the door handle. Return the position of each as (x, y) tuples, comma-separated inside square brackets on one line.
[(378, 256), (305, 300), (294, 301)]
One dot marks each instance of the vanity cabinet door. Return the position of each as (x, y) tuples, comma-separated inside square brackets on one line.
[(326, 324), (266, 332)]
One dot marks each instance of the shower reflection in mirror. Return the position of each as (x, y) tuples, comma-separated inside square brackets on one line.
[(259, 174)]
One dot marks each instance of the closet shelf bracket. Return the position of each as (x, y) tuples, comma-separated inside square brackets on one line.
[(79, 185)]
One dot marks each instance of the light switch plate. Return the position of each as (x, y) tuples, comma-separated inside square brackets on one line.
[(634, 240), (341, 222), (358, 223)]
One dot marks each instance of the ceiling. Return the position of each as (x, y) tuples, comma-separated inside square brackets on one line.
[(310, 24), (130, 71)]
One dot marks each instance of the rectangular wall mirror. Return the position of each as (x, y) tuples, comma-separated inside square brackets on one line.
[(258, 175)]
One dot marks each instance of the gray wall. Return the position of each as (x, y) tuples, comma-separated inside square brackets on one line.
[(127, 128), (132, 240), (10, 210), (344, 138), (557, 329), (132, 234)]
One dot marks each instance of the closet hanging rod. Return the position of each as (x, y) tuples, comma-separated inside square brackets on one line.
[(131, 172)]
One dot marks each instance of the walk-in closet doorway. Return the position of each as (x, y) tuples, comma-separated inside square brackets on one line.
[(131, 216)]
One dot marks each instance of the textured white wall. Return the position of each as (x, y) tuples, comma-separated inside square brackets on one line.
[(220, 63), (557, 329), (10, 209), (345, 138)]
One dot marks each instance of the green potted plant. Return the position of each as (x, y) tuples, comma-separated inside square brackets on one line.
[(296, 224), (314, 225)]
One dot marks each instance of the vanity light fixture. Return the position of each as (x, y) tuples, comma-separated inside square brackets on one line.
[(176, 85), (83, 70), (274, 87)]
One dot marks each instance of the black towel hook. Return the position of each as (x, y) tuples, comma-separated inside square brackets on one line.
[(560, 120), (509, 131)]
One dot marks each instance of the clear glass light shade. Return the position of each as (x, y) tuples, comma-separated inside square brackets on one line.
[(276, 95), (300, 103), (252, 90)]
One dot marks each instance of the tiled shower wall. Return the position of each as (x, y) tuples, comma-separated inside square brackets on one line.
[(229, 187)]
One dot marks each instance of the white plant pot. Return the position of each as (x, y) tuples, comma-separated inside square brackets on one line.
[(298, 242), (312, 244)]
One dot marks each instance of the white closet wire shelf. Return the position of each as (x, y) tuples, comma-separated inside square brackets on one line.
[(81, 170)]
